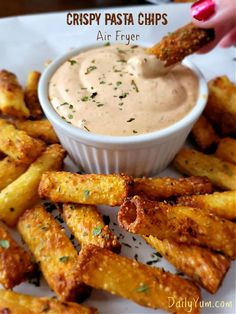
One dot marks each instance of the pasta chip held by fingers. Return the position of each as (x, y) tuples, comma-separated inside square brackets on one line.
[(204, 135), (31, 95), (183, 42), (145, 285), (15, 262), (88, 227), (17, 303), (163, 188), (226, 150), (221, 105), (204, 266), (222, 204), (10, 170), (179, 223), (23, 192), (41, 129), (18, 144), (222, 174), (91, 189), (56, 255), (12, 96)]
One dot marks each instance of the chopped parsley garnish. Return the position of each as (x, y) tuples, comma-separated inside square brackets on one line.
[(94, 95), (135, 87), (100, 105), (107, 44), (102, 82), (87, 129), (118, 83), (124, 95), (93, 61), (86, 193), (90, 69), (71, 107), (120, 50), (64, 104), (4, 244), (64, 259), (97, 231), (121, 104), (142, 288), (70, 116), (122, 60), (134, 46), (85, 98), (72, 62), (130, 120)]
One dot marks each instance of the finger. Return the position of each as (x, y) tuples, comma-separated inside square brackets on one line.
[(224, 16), (229, 39)]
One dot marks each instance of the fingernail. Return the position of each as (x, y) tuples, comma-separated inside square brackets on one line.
[(202, 10)]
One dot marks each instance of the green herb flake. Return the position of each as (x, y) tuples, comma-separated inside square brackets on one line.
[(107, 44), (121, 104), (85, 98), (86, 193), (93, 61), (86, 128), (135, 87), (100, 105), (102, 82), (130, 120), (142, 288), (124, 95), (4, 244), (97, 231), (94, 95), (64, 259), (90, 69), (70, 116), (71, 107), (122, 61), (118, 83), (72, 62)]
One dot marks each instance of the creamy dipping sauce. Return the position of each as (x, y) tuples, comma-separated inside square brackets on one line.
[(120, 90)]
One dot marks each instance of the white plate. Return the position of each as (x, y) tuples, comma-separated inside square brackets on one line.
[(28, 41)]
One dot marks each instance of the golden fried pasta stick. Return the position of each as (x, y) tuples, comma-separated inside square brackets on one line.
[(226, 150), (220, 108), (163, 188), (41, 129), (222, 174), (23, 192), (54, 252), (222, 204), (205, 267), (12, 96), (18, 144), (145, 285), (204, 135), (31, 95), (179, 223), (15, 263), (10, 170), (88, 227), (186, 40), (91, 189), (17, 303)]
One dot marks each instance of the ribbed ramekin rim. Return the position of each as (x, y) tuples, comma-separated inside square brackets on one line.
[(92, 138)]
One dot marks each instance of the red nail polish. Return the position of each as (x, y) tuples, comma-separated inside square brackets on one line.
[(202, 10)]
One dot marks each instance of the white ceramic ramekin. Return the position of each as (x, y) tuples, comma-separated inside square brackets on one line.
[(144, 154)]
